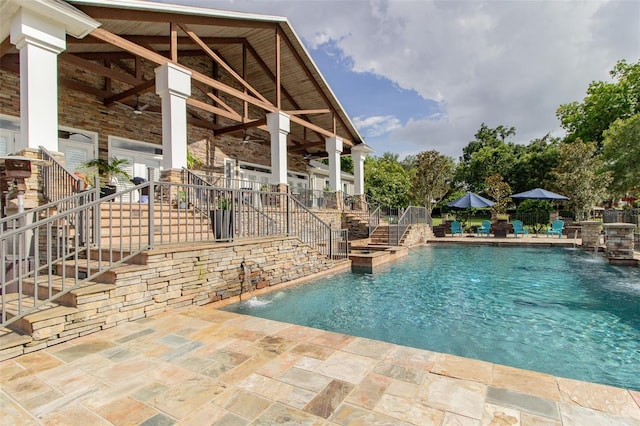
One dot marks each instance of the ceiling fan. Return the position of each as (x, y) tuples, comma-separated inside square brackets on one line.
[(247, 138), (139, 109)]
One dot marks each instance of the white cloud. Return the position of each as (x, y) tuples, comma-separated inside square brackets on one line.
[(376, 126), (497, 62)]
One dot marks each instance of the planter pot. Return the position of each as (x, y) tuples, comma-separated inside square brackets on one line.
[(501, 228), (182, 204), (107, 190), (222, 224)]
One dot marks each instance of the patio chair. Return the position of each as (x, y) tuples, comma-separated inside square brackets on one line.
[(518, 228), (456, 228), (485, 228), (556, 228)]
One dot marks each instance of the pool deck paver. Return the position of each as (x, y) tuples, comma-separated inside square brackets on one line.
[(203, 366)]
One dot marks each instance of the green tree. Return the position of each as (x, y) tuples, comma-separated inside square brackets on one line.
[(487, 155), (533, 164), (621, 155), (604, 103), (432, 178), (577, 177), (387, 181), (499, 190)]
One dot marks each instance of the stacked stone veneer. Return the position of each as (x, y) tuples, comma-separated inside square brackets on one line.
[(418, 234), (170, 278), (619, 243), (590, 233)]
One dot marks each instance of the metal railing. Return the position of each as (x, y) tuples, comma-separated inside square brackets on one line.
[(374, 220), (319, 199), (621, 216), (412, 215), (60, 182), (93, 234)]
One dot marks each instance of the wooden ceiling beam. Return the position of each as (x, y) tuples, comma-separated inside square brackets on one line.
[(244, 126), (141, 39), (123, 66), (222, 63), (124, 44), (137, 90), (308, 111), (99, 69), (317, 129), (101, 13), (81, 87), (213, 109)]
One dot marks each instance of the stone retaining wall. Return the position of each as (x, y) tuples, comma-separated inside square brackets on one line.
[(164, 279)]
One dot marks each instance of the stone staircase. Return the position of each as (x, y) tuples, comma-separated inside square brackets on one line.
[(388, 235), (70, 315), (356, 224), (123, 221)]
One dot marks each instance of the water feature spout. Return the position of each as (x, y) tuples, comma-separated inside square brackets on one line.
[(246, 273)]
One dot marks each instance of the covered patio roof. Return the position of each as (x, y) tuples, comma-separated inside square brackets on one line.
[(266, 66)]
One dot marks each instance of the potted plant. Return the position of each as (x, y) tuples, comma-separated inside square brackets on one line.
[(182, 199), (222, 219), (108, 172)]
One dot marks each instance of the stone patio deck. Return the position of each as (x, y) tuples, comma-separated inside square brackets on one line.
[(202, 366)]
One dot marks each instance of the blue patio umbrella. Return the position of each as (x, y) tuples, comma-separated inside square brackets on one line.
[(539, 194), (470, 200)]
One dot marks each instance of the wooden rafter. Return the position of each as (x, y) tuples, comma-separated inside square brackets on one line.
[(122, 43), (318, 129), (213, 97), (308, 111), (221, 62), (173, 30), (163, 40), (268, 72), (213, 109), (99, 69), (81, 87)]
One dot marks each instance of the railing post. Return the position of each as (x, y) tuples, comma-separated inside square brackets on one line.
[(330, 243), (151, 211), (288, 195)]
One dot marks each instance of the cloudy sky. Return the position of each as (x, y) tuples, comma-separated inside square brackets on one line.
[(416, 75)]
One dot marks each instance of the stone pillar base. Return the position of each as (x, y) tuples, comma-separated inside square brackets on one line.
[(590, 233), (619, 243)]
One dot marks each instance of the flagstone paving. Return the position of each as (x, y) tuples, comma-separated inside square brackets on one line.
[(202, 366)]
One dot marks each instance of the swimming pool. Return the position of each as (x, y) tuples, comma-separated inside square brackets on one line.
[(564, 312)]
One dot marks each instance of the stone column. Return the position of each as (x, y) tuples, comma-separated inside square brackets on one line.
[(590, 233), (173, 84), (279, 125), (619, 243), (334, 149)]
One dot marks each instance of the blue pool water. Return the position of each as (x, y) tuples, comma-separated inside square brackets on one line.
[(560, 311)]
